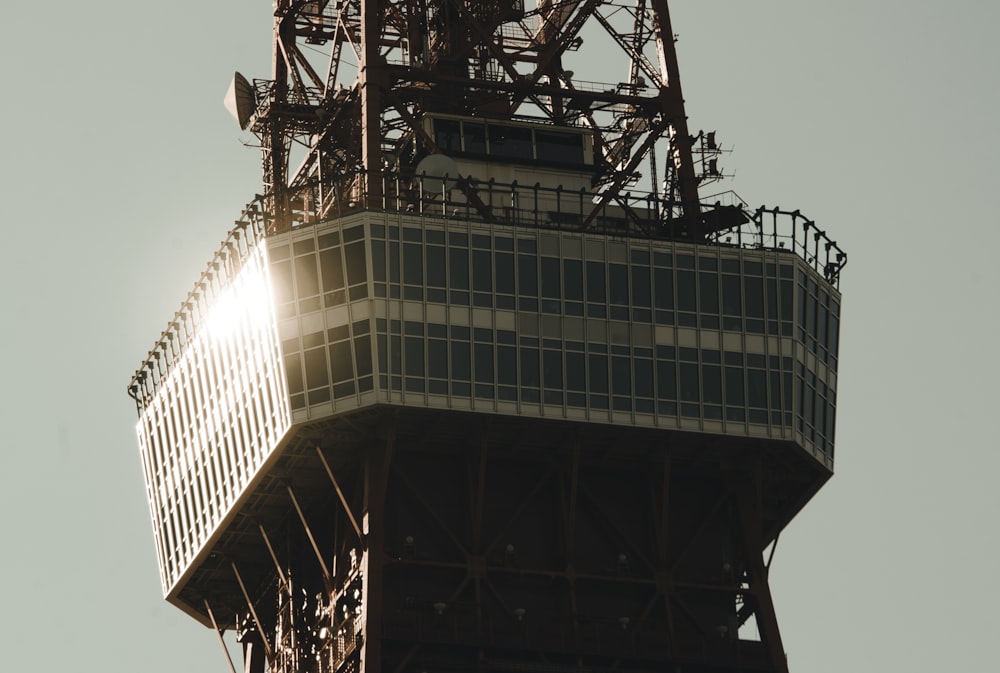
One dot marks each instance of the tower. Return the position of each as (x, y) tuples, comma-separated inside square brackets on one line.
[(480, 381)]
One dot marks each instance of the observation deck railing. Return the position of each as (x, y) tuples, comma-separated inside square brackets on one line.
[(225, 265)]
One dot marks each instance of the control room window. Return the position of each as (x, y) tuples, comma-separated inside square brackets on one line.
[(510, 142), (447, 135), (559, 147), (474, 136)]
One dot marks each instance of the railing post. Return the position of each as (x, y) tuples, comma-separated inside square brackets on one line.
[(420, 193), (515, 219), (535, 190)]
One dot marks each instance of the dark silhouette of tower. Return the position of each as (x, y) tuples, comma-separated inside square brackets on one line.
[(483, 383)]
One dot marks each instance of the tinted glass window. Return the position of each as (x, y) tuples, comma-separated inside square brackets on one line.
[(355, 254), (333, 269), (709, 292), (527, 275), (459, 271), (475, 137), (447, 135), (686, 297), (666, 380), (559, 147), (436, 266), (595, 282), (460, 370), (576, 372), (413, 264), (618, 279), (505, 272), (510, 142), (598, 373), (550, 277), (573, 277), (712, 376)]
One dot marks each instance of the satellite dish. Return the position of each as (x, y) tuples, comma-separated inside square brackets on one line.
[(240, 100), (433, 169)]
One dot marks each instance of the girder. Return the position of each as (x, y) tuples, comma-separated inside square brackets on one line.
[(495, 59)]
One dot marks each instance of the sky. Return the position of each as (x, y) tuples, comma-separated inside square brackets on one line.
[(120, 172)]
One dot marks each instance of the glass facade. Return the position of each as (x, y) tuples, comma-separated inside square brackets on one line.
[(215, 418), (397, 309), (419, 311)]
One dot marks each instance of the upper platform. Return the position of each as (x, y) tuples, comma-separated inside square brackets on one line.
[(429, 306)]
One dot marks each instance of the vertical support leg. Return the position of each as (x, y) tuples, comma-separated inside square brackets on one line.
[(750, 528), (373, 526)]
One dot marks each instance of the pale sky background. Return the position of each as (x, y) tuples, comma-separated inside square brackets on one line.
[(120, 172)]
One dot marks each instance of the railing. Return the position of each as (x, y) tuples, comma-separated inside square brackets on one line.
[(627, 214), (788, 230), (224, 266)]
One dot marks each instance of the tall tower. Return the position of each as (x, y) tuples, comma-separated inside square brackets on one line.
[(480, 382)]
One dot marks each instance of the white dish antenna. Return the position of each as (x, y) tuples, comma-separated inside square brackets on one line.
[(240, 100), (435, 169)]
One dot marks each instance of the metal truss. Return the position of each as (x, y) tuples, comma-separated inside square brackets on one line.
[(352, 79), (453, 544)]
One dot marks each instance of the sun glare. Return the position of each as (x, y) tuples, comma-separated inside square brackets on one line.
[(241, 308)]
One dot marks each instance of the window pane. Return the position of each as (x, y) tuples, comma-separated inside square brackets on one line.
[(689, 382), (474, 136), (436, 271), (754, 294), (576, 372), (552, 363), (621, 376), (643, 370), (307, 282), (709, 292), (664, 288), (414, 356), (505, 272), (529, 368), (333, 269), (731, 295), (437, 358), (413, 264), (460, 355), (573, 279), (595, 282), (507, 365), (510, 142), (598, 373), (618, 279), (550, 278), (447, 135), (355, 254), (559, 147), (484, 363), (459, 269), (666, 380), (734, 386), (482, 273), (527, 275), (712, 380), (640, 287), (363, 353), (686, 297)]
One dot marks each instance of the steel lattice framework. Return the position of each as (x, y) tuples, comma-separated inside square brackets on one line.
[(352, 78)]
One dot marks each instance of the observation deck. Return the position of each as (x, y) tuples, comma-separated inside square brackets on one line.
[(621, 333)]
